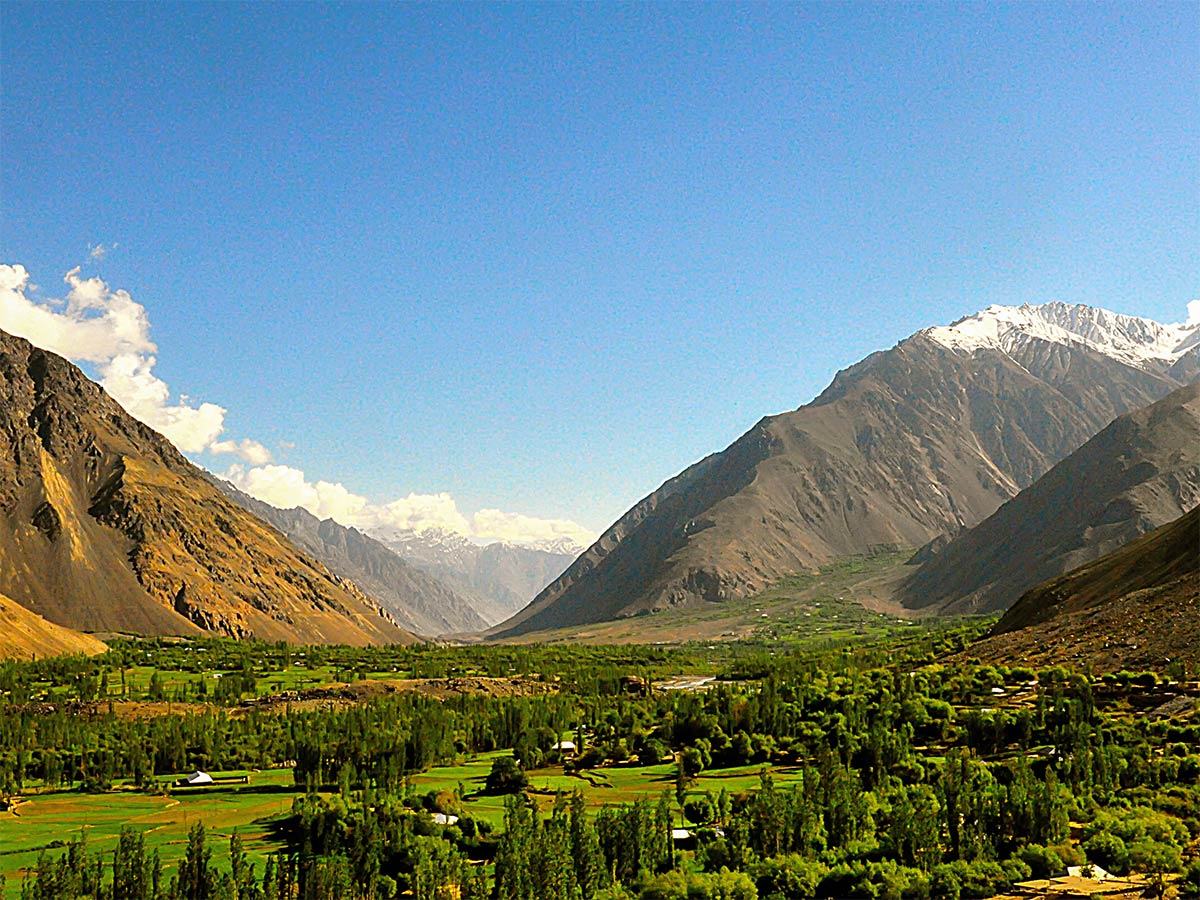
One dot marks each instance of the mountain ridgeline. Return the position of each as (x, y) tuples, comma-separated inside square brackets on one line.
[(104, 526), (1141, 472), (920, 441)]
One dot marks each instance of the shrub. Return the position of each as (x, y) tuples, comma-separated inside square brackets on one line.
[(699, 810), (788, 876), (1042, 861), (506, 776), (1107, 851)]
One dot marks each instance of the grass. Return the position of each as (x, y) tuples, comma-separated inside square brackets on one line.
[(600, 787), (164, 821), (252, 809)]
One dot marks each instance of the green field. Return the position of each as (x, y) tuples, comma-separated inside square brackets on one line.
[(47, 820), (44, 821)]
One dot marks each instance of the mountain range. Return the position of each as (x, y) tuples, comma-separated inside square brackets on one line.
[(498, 579), (105, 526), (1011, 446), (910, 445), (1142, 471)]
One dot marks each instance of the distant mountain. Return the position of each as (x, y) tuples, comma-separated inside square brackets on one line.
[(25, 635), (417, 600), (104, 526), (560, 546), (498, 578), (1138, 606), (1140, 472), (922, 440)]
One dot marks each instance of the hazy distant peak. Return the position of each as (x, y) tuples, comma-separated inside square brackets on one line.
[(449, 541), (563, 546), (432, 536), (499, 577), (1131, 340)]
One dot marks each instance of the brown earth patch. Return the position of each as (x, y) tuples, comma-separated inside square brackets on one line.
[(24, 634)]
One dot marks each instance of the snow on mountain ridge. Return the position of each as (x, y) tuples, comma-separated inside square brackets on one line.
[(1131, 340), (442, 538), (563, 546), (455, 542)]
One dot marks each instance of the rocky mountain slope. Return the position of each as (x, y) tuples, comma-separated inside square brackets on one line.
[(104, 526), (922, 440), (1136, 607), (417, 600), (1140, 472), (497, 579)]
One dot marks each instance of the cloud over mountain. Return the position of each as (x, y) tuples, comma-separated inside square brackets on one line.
[(287, 487), (110, 330), (95, 324), (494, 524)]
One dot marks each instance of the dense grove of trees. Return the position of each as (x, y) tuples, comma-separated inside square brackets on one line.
[(905, 780)]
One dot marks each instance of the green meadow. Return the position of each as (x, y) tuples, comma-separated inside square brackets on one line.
[(45, 821)]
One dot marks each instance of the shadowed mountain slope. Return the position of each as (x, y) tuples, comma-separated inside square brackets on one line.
[(1138, 606), (104, 526), (1140, 472), (922, 440)]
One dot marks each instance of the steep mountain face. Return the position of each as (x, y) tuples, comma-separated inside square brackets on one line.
[(417, 600), (497, 579), (924, 439), (104, 526), (1140, 472), (1138, 606)]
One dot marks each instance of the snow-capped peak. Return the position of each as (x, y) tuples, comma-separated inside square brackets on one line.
[(1134, 341), (441, 540), (563, 546)]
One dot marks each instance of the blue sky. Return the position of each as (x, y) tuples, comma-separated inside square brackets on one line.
[(540, 257)]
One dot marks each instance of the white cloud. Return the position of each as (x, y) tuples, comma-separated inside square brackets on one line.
[(251, 451), (91, 325), (99, 251), (1193, 308), (94, 324), (494, 524), (192, 429), (286, 487), (109, 329), (420, 512)]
